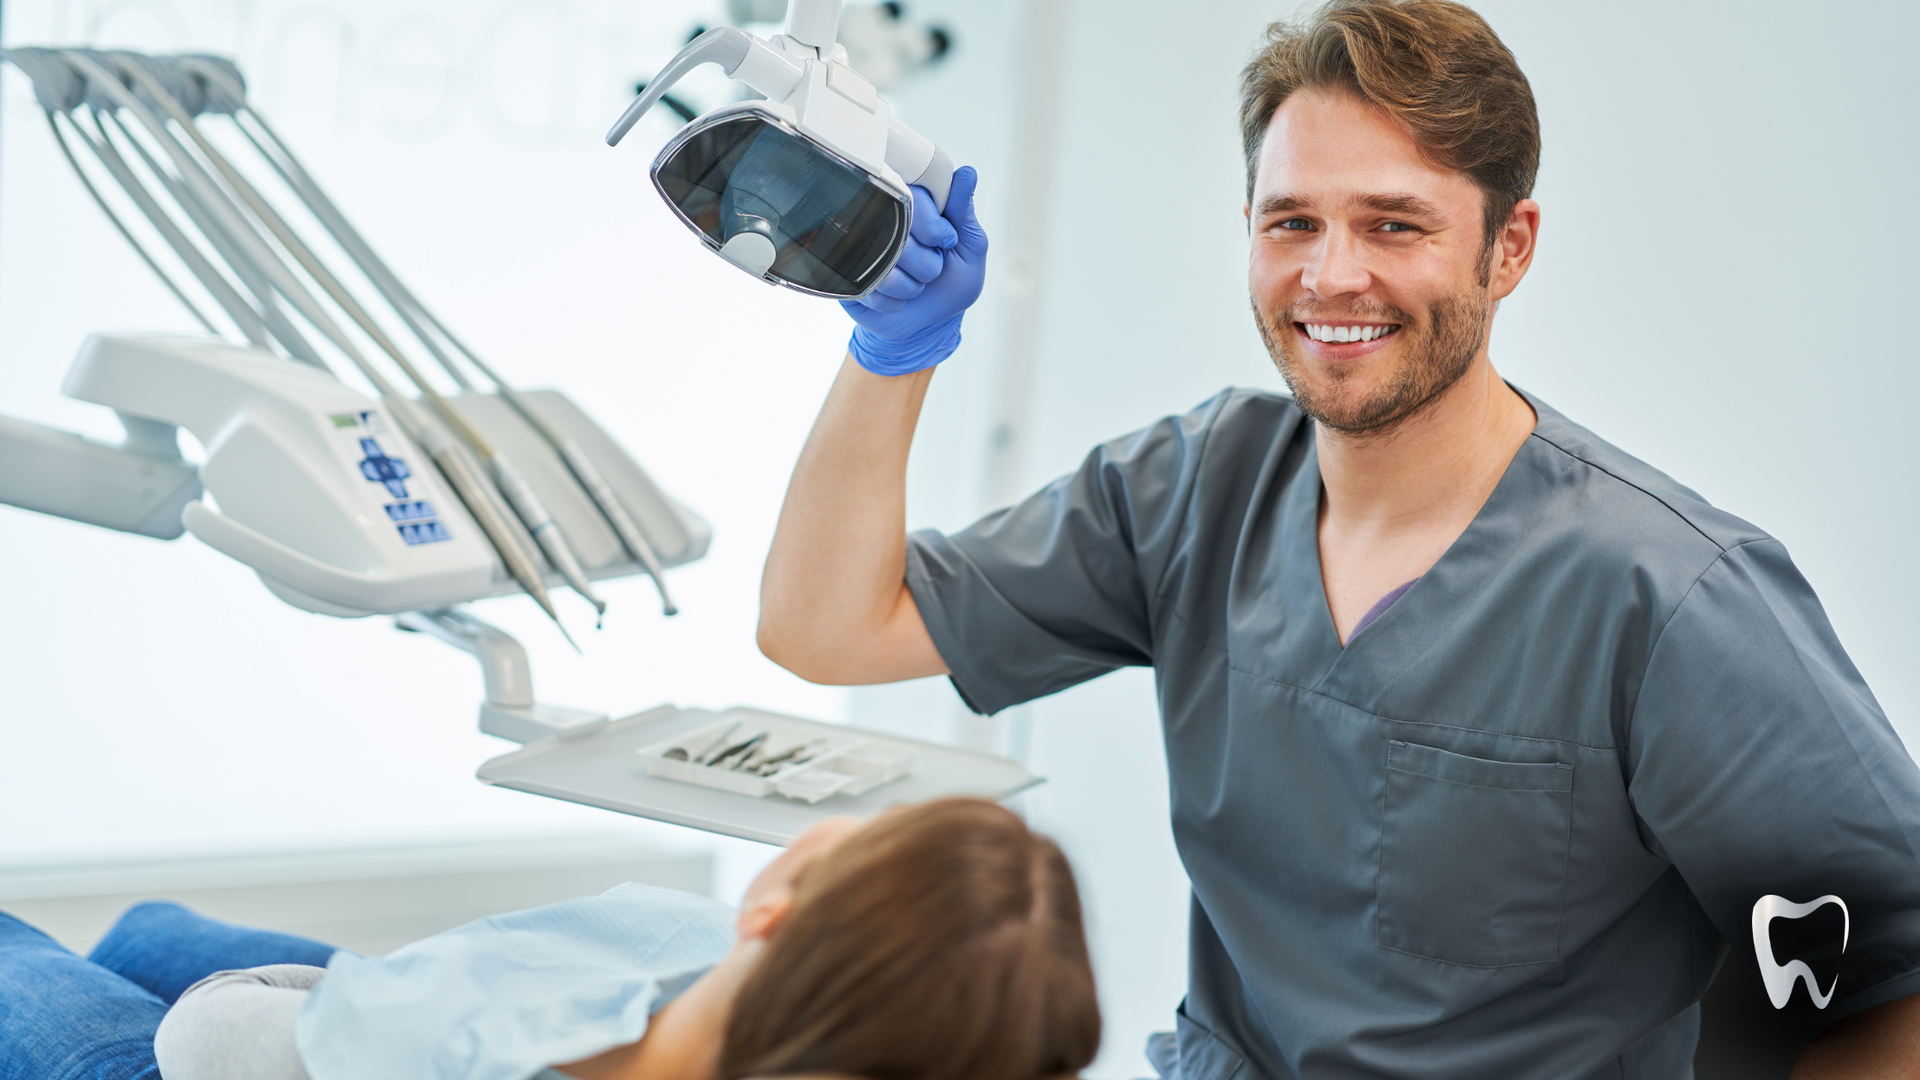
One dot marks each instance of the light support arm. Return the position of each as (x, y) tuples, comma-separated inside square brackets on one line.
[(741, 55), (813, 22)]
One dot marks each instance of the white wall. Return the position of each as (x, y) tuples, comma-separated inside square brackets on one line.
[(1723, 285)]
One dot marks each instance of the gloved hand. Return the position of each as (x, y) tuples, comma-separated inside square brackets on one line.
[(912, 321)]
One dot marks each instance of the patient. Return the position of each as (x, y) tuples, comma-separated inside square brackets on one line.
[(940, 941)]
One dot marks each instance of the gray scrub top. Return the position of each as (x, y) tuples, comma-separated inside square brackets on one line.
[(1506, 831)]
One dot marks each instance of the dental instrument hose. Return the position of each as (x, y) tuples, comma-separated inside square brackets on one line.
[(224, 217), (520, 495), (166, 279), (407, 306)]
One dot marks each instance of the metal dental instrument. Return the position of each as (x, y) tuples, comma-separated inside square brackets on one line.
[(526, 503), (738, 748), (252, 249), (718, 741), (787, 757), (231, 99)]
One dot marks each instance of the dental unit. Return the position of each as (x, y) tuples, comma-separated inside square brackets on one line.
[(414, 502)]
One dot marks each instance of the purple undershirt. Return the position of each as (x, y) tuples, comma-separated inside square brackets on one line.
[(1379, 609)]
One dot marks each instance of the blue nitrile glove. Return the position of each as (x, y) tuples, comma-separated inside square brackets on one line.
[(912, 321)]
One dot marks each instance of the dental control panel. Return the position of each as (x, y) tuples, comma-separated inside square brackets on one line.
[(416, 520), (317, 488)]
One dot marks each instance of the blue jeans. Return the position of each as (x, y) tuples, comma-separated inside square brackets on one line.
[(64, 1018)]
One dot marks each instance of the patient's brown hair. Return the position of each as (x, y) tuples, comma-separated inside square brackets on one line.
[(1435, 66), (941, 942)]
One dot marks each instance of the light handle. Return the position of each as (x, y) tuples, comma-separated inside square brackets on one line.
[(919, 161)]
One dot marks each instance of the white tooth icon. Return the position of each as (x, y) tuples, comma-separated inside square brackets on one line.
[(1779, 978)]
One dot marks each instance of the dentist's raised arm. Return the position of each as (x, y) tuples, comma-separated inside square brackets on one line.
[(834, 605)]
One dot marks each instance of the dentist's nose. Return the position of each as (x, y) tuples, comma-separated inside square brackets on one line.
[(1337, 267)]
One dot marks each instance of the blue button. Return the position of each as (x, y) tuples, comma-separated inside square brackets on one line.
[(424, 532), (381, 469), (411, 511)]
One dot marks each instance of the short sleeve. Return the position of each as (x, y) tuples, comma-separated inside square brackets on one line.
[(1058, 588), (1762, 766)]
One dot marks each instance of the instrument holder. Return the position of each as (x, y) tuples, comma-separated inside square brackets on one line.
[(509, 711)]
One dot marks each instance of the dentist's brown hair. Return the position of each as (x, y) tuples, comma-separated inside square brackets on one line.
[(941, 942), (1435, 66)]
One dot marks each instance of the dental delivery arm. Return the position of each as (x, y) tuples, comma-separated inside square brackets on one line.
[(1881, 1042), (834, 605)]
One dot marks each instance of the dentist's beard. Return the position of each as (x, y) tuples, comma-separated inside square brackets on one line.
[(1437, 355)]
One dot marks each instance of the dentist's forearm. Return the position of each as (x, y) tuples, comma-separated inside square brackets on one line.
[(834, 607)]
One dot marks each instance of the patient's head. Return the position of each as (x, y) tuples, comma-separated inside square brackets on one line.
[(937, 942)]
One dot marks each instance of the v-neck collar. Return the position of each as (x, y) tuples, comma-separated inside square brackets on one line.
[(1370, 661)]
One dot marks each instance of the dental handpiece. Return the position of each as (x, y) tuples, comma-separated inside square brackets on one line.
[(467, 486), (616, 515), (533, 513)]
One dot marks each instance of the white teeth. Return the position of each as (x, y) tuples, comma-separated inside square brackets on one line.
[(1343, 334)]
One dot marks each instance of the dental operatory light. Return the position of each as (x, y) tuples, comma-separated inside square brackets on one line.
[(807, 188)]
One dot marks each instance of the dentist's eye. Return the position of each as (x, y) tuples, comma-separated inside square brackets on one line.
[(1396, 226), (1294, 225)]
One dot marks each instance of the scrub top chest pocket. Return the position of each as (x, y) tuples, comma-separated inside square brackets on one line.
[(1473, 857)]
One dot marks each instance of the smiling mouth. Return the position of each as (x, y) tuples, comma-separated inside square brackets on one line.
[(1341, 335)]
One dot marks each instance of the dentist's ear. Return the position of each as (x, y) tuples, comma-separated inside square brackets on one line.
[(766, 915)]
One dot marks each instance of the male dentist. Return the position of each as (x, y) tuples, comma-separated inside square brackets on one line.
[(1487, 740)]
